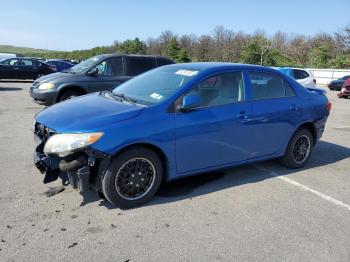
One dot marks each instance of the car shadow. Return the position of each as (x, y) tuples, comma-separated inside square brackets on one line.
[(10, 89), (324, 153), (16, 81)]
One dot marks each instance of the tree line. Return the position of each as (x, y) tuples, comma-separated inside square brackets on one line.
[(281, 49)]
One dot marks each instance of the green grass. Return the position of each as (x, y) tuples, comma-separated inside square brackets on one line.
[(22, 50)]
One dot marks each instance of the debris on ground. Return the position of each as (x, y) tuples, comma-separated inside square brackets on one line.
[(54, 191), (63, 229), (73, 245), (114, 226)]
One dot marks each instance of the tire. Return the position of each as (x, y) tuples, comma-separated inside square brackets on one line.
[(297, 155), (124, 176), (38, 75), (69, 95)]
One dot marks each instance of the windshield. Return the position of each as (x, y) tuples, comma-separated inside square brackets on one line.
[(156, 85), (81, 67)]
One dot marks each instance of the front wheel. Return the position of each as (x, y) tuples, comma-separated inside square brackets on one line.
[(38, 75), (133, 178), (299, 149)]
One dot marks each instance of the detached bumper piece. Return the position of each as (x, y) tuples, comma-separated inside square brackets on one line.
[(76, 171)]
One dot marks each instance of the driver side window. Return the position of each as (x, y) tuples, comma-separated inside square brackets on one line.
[(110, 67), (221, 89)]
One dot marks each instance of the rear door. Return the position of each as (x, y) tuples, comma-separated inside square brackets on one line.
[(27, 68), (110, 75), (276, 109), (136, 65)]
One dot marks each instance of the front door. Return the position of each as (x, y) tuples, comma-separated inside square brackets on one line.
[(9, 69), (110, 75), (217, 132)]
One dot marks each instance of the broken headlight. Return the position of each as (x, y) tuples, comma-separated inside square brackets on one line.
[(65, 144)]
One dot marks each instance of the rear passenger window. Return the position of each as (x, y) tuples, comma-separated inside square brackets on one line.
[(300, 74), (266, 86), (138, 65), (164, 61)]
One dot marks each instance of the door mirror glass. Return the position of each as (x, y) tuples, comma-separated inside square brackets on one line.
[(93, 72), (190, 102)]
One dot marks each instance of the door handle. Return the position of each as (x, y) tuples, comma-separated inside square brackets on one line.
[(294, 108), (243, 115)]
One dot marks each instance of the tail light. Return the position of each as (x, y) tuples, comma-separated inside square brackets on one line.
[(329, 106)]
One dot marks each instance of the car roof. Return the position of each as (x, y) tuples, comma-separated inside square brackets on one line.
[(131, 55), (217, 66)]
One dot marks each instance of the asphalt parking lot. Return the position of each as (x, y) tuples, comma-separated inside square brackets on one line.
[(260, 212)]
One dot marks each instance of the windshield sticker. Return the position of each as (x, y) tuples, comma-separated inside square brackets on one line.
[(186, 72), (156, 96)]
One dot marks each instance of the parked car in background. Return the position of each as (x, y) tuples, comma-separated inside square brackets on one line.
[(301, 75), (24, 68), (176, 121), (99, 73), (345, 89), (60, 64), (338, 83)]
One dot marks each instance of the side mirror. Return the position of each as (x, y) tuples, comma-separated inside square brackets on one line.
[(190, 102), (93, 72)]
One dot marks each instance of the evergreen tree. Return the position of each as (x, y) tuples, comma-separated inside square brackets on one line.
[(182, 56), (172, 49)]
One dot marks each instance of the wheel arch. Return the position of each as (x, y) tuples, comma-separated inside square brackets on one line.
[(156, 149), (67, 88), (311, 127)]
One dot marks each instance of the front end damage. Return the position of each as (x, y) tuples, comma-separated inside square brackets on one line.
[(82, 169)]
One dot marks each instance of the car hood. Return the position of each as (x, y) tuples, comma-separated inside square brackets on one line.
[(59, 77), (87, 113)]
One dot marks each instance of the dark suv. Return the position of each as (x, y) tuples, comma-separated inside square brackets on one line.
[(98, 73)]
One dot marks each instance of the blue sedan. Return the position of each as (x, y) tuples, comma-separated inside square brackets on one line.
[(175, 121), (59, 64)]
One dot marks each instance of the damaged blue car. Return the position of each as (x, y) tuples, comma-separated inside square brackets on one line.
[(175, 121)]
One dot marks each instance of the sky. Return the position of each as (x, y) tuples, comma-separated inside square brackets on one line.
[(81, 24)]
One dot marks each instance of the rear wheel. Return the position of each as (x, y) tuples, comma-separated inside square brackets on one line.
[(133, 178), (299, 149), (38, 75), (69, 95)]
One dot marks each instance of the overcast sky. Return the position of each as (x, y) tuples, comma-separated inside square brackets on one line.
[(68, 25)]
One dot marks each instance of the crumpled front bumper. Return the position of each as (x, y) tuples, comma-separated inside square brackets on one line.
[(78, 169)]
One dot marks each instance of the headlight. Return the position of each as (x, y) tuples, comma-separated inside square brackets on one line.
[(46, 86), (64, 144)]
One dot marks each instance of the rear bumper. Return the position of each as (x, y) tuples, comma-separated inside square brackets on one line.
[(320, 126), (344, 94)]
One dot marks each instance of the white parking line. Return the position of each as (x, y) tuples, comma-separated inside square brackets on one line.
[(306, 188)]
